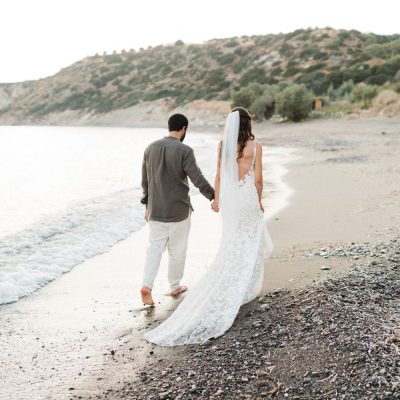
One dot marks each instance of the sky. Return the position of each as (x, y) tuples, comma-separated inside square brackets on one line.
[(39, 37)]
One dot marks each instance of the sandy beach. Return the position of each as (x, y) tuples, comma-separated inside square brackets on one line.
[(81, 335)]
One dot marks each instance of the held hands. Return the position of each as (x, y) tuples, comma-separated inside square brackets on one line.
[(215, 206), (146, 216)]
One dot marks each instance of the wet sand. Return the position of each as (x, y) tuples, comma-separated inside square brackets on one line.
[(81, 334)]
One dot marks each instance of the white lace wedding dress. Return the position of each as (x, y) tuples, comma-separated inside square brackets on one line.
[(233, 278)]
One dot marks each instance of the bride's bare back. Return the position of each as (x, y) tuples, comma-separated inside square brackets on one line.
[(246, 161), (244, 166)]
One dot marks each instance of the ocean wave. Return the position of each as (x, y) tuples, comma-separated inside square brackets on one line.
[(56, 243)]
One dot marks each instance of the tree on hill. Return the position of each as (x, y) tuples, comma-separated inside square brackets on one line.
[(294, 102)]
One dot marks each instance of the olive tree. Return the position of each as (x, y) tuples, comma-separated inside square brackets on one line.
[(294, 102)]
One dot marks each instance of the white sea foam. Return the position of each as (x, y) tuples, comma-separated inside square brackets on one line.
[(277, 191), (56, 243), (70, 196)]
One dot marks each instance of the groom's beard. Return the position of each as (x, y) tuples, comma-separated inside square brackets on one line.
[(183, 137)]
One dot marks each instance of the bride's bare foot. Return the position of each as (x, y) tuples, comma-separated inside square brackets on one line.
[(147, 298), (178, 291)]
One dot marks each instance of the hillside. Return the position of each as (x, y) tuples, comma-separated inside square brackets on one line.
[(181, 73)]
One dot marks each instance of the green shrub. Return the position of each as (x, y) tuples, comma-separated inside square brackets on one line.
[(103, 105), (246, 95), (342, 92), (379, 79), (291, 70), (396, 83), (232, 43), (321, 56), (258, 99), (264, 106), (294, 103), (310, 50), (297, 32), (316, 81), (305, 36), (389, 68), (315, 67), (215, 79), (356, 74), (364, 93), (226, 59), (264, 40), (343, 36), (239, 65), (286, 50), (214, 52), (334, 44), (269, 80), (336, 77), (276, 71), (253, 75), (242, 51), (384, 50), (112, 58)]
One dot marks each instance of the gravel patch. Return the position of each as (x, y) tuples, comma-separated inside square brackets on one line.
[(335, 339)]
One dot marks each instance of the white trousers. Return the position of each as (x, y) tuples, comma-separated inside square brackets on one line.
[(173, 235)]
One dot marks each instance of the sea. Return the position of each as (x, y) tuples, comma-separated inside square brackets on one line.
[(70, 193)]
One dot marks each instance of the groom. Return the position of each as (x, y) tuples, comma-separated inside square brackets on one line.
[(166, 165)]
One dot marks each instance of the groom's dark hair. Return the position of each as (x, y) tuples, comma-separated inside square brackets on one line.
[(176, 122)]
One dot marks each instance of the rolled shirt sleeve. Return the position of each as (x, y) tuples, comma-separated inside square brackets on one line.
[(145, 183)]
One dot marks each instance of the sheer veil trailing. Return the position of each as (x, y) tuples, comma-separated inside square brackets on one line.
[(229, 173), (229, 188)]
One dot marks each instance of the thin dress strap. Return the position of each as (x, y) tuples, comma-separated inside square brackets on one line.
[(253, 163)]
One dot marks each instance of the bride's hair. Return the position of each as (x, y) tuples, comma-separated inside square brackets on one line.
[(245, 132)]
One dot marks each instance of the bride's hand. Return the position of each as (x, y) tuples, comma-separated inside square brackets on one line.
[(214, 206), (261, 207), (146, 216)]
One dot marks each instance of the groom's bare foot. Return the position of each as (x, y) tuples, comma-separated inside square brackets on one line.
[(178, 291), (147, 298)]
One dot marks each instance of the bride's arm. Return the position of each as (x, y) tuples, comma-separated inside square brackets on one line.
[(258, 174), (215, 204)]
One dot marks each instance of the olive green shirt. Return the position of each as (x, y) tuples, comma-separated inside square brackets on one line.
[(167, 164)]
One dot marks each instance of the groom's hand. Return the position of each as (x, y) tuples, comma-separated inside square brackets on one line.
[(146, 216), (214, 206)]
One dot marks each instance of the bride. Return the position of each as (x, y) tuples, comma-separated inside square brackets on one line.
[(235, 275)]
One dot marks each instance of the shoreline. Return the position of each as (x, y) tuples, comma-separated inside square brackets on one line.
[(347, 172), (80, 249), (76, 311)]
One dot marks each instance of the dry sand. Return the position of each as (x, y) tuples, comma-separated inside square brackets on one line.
[(81, 334)]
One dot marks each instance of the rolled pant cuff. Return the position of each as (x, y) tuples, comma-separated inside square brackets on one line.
[(147, 286), (174, 287)]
